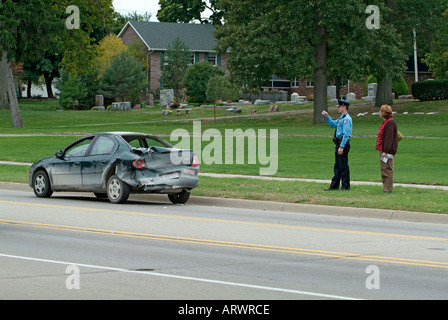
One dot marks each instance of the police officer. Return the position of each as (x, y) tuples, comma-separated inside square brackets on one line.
[(341, 139)]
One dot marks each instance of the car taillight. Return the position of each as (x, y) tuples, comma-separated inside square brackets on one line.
[(139, 164), (195, 161)]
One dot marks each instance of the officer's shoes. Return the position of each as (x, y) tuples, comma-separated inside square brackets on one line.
[(330, 189)]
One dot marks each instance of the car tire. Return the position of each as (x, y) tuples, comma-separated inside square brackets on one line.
[(179, 198), (41, 184), (117, 190)]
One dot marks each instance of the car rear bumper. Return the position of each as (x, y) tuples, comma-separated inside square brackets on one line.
[(167, 182)]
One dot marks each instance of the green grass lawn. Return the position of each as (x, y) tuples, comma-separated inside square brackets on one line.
[(407, 199), (305, 150)]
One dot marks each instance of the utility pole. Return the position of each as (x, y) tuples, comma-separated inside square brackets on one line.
[(415, 56)]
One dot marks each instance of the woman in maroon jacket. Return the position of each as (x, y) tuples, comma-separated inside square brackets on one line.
[(387, 145)]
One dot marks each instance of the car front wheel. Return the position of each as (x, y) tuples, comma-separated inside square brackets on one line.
[(117, 190), (179, 198), (41, 184)]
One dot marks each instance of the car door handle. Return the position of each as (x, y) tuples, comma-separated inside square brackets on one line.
[(76, 163)]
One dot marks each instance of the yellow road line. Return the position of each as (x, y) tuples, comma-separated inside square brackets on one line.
[(169, 216), (239, 245)]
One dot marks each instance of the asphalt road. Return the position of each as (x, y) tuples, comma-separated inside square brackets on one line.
[(74, 246)]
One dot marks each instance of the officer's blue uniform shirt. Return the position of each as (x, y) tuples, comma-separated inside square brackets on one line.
[(343, 127)]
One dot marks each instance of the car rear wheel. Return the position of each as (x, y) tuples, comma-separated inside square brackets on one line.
[(179, 198), (41, 184), (117, 190)]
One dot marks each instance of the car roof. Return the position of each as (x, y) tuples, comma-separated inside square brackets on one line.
[(124, 133)]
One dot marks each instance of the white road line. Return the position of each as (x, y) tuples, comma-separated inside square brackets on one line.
[(149, 273)]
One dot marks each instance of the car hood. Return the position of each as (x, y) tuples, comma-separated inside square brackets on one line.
[(42, 161)]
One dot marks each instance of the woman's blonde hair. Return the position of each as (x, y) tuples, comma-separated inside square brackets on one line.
[(386, 111)]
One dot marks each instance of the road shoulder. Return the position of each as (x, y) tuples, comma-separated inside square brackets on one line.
[(393, 215)]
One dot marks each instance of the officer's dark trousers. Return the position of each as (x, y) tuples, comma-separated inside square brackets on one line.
[(341, 169)]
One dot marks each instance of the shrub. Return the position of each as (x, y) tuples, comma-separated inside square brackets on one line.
[(400, 88), (196, 79), (220, 88), (430, 90)]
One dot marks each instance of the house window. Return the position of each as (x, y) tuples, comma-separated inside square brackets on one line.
[(163, 59), (309, 84), (295, 83), (191, 58), (211, 57)]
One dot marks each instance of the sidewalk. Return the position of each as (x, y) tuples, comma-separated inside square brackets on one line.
[(222, 175), (365, 183)]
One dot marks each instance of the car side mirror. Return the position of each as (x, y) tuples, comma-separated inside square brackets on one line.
[(59, 154)]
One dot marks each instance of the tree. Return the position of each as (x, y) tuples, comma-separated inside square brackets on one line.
[(197, 77), (31, 75), (72, 91), (32, 28), (220, 88), (3, 89), (49, 68), (22, 39), (108, 48), (124, 80), (188, 10), (119, 20), (79, 46), (175, 65), (139, 53), (437, 58), (405, 17), (321, 40), (309, 39)]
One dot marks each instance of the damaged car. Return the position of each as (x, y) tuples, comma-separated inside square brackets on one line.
[(114, 164)]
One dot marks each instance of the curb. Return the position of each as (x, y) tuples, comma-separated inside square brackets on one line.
[(391, 215)]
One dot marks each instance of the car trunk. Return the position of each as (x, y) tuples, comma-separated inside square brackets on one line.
[(161, 158)]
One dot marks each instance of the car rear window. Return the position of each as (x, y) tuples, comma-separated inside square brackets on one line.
[(145, 142)]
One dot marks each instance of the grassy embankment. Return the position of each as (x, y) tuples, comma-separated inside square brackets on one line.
[(304, 150)]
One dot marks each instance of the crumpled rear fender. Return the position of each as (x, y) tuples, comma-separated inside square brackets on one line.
[(151, 178), (122, 168)]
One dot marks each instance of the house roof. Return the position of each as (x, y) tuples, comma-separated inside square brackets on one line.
[(159, 35)]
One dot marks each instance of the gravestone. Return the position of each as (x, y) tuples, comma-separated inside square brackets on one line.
[(294, 97), (99, 100), (331, 92), (372, 89), (166, 96), (121, 106), (297, 99), (261, 102), (351, 97), (371, 92)]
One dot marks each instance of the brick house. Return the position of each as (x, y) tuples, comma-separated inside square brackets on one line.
[(423, 73), (158, 36), (305, 87)]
